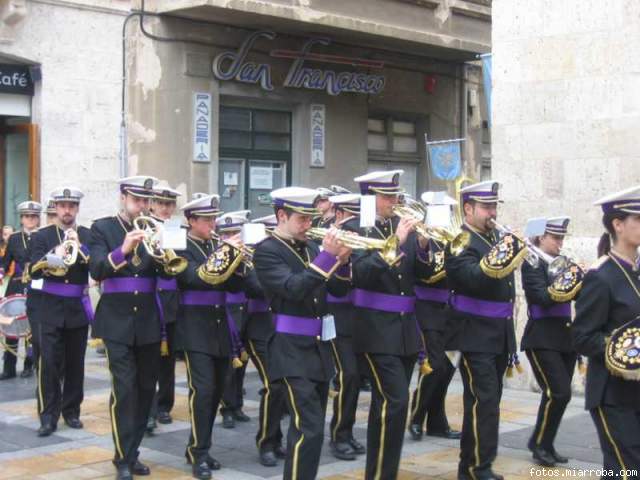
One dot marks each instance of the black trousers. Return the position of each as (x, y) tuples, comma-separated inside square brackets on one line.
[(165, 395), (345, 403), (60, 382), (428, 400), (482, 377), (619, 435), (134, 372), (10, 360), (390, 376), (232, 398), (205, 377), (307, 404), (553, 372), (272, 400)]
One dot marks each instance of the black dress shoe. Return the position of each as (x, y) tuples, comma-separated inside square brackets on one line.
[(343, 451), (228, 421), (27, 372), (73, 422), (357, 446), (558, 458), (139, 468), (201, 471), (448, 434), (7, 375), (123, 472), (280, 452), (164, 418), (365, 385), (416, 431), (46, 429), (268, 459), (543, 457), (240, 416), (151, 425), (211, 462)]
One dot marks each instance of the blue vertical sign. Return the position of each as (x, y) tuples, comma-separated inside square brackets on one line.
[(486, 76)]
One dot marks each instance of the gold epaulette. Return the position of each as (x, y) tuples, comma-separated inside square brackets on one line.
[(220, 265)]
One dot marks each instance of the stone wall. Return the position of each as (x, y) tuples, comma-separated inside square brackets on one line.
[(566, 106)]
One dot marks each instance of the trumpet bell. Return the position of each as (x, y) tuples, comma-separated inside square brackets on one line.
[(173, 264), (459, 243)]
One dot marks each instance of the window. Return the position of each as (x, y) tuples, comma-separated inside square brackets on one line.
[(392, 136), (244, 129)]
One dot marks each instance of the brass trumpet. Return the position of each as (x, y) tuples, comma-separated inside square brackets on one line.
[(388, 248), (416, 211), (245, 250), (69, 257), (173, 264)]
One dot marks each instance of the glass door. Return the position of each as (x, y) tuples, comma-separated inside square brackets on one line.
[(264, 176), (231, 184)]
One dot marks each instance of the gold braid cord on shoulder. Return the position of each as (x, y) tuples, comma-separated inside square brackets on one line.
[(220, 265), (503, 258)]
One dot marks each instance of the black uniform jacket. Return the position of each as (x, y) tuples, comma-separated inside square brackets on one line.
[(17, 251), (292, 287), (433, 315), (549, 332), (479, 333), (55, 310), (259, 323), (203, 328), (606, 302), (129, 317), (377, 331)]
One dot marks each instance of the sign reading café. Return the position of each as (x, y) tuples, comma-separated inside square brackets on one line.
[(232, 65)]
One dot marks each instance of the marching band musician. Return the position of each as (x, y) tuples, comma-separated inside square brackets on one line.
[(17, 251), (60, 307), (436, 325), (163, 207), (385, 330), (323, 205), (547, 340), (296, 277), (229, 225), (479, 267), (606, 329), (203, 332), (127, 319), (346, 208), (272, 395), (50, 212)]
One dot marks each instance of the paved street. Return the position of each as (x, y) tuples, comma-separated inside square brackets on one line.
[(71, 454)]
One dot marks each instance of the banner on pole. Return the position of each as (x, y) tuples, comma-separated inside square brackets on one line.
[(446, 162)]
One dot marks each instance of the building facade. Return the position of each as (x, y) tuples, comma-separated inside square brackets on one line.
[(565, 111)]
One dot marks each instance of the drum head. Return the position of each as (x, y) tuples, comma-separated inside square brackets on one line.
[(13, 316)]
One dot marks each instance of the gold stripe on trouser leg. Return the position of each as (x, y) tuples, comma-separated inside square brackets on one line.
[(383, 419), (192, 396), (421, 377), (267, 392), (474, 415), (296, 448), (114, 423), (340, 393), (548, 392), (40, 395), (605, 426)]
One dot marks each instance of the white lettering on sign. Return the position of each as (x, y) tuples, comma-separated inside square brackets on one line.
[(202, 127), (317, 135)]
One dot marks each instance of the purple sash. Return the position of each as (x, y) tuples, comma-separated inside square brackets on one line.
[(129, 285), (430, 294), (71, 290), (348, 298), (237, 347), (235, 298), (167, 284), (202, 297), (482, 308), (257, 305), (294, 325), (559, 310), (383, 301)]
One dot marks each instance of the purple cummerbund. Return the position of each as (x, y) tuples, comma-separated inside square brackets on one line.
[(235, 298), (308, 326), (167, 284), (482, 308), (559, 310), (201, 297), (348, 298), (430, 294), (383, 301), (129, 285), (256, 305), (63, 289)]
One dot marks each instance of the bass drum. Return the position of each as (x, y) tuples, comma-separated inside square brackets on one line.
[(13, 317)]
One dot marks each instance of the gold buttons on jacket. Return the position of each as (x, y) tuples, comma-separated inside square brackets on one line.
[(318, 337), (66, 281), (135, 292), (135, 309)]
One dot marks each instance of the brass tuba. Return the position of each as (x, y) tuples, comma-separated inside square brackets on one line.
[(69, 257), (173, 264)]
